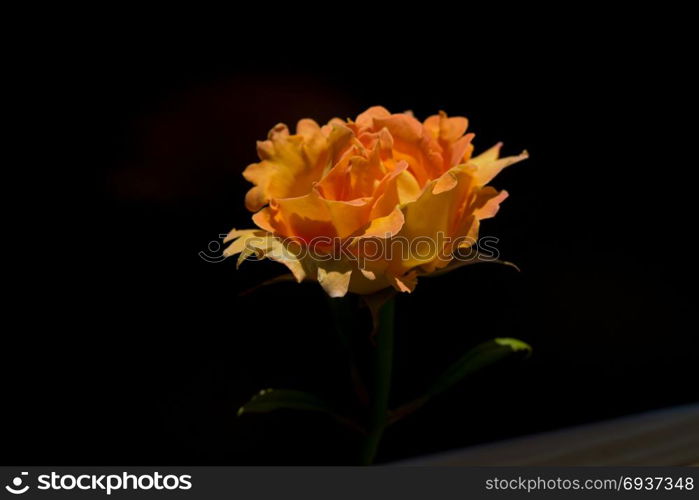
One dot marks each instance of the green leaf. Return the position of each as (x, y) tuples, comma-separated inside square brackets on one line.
[(474, 259), (277, 399), (481, 356), (284, 278), (476, 359), (268, 400)]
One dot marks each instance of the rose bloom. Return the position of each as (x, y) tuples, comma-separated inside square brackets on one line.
[(331, 201)]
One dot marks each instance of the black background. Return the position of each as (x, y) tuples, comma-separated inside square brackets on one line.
[(128, 348)]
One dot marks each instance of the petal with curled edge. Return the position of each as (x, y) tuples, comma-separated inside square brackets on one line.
[(349, 216), (240, 238), (387, 193), (437, 217), (487, 202), (250, 242), (307, 128), (290, 164), (408, 188), (449, 133), (413, 144), (355, 176), (445, 183), (312, 216), (490, 164), (405, 283), (445, 128), (366, 119), (264, 219), (460, 151), (434, 212), (334, 276), (384, 227)]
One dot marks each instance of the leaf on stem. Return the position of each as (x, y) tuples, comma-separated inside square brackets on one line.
[(481, 356), (268, 400), (284, 278), (477, 259)]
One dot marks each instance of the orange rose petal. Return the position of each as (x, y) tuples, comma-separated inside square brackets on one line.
[(488, 202), (366, 119), (386, 194), (354, 177), (338, 140), (402, 127), (264, 220), (313, 216), (405, 283), (237, 233), (489, 165), (447, 129), (461, 150), (451, 129), (336, 182), (265, 245), (384, 227), (408, 188), (370, 275), (279, 252), (305, 216), (446, 182), (307, 128), (240, 239), (292, 163), (436, 212), (431, 124), (285, 169), (334, 277), (348, 216), (488, 155)]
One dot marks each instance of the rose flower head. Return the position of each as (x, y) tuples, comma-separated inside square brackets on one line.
[(367, 204)]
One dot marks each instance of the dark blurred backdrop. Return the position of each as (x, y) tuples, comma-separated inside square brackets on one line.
[(133, 349)]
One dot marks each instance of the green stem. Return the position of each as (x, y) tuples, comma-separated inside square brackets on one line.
[(381, 380), (344, 311)]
